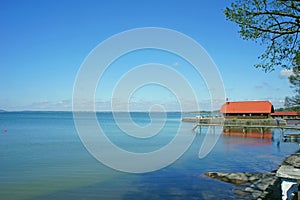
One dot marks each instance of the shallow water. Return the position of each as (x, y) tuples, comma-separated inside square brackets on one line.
[(42, 157)]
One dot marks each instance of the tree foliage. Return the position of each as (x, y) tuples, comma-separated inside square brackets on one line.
[(294, 102), (274, 23)]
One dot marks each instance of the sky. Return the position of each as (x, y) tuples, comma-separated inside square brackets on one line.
[(43, 45)]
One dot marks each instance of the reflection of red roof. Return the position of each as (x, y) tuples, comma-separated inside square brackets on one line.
[(265, 135), (244, 107), (286, 114)]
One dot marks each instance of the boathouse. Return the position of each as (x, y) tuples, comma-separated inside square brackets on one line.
[(286, 115), (247, 109)]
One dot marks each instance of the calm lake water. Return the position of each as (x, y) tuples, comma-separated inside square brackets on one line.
[(42, 157)]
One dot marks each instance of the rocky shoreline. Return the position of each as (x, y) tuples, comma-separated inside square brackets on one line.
[(252, 185), (258, 185)]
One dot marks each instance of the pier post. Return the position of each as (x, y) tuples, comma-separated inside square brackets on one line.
[(282, 131), (244, 131)]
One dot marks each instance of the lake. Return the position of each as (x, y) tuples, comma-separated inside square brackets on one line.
[(42, 157)]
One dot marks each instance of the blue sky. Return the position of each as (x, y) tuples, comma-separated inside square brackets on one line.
[(43, 44)]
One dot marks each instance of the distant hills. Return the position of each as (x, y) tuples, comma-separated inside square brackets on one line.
[(1, 110), (203, 112)]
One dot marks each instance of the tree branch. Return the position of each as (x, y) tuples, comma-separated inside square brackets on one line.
[(273, 31), (274, 13), (292, 5), (275, 23)]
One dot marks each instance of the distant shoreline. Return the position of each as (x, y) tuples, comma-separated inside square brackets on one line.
[(51, 111)]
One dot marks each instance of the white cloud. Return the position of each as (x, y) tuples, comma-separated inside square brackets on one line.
[(277, 102), (123, 105), (62, 105), (285, 73)]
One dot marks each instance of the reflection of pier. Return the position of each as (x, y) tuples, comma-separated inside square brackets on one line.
[(245, 128), (253, 131), (250, 139), (292, 138), (251, 134), (229, 126)]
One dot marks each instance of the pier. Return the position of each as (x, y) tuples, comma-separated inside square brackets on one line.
[(243, 125), (247, 115)]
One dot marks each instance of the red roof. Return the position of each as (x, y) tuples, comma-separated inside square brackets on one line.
[(286, 114), (247, 107)]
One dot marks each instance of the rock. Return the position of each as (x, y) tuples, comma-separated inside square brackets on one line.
[(224, 179), (293, 160), (256, 194), (235, 178), (211, 174), (241, 193), (249, 189), (251, 185), (253, 178), (262, 186)]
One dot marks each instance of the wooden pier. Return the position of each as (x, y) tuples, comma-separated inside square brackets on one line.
[(245, 128), (242, 124)]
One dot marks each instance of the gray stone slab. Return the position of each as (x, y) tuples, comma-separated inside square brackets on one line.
[(288, 171)]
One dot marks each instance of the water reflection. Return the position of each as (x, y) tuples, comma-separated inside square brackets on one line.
[(292, 138), (258, 137), (266, 137)]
